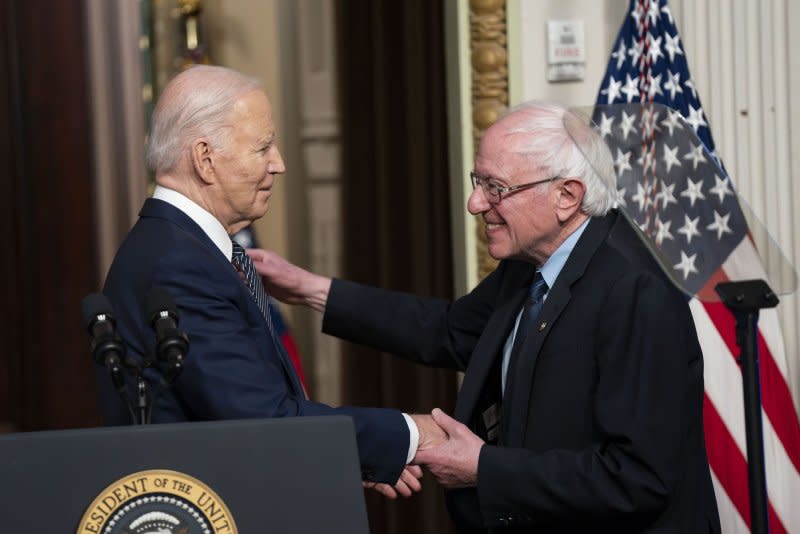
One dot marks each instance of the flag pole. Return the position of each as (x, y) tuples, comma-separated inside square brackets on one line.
[(744, 299)]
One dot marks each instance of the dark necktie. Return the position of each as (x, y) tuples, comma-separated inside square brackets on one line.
[(533, 305), (244, 264)]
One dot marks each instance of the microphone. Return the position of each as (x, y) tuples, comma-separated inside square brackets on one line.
[(171, 343), (107, 347)]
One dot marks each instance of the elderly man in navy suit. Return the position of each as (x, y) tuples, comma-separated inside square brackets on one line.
[(214, 153), (581, 407)]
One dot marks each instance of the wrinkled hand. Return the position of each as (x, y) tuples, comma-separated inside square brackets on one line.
[(430, 433), (289, 283), (454, 463), (406, 485)]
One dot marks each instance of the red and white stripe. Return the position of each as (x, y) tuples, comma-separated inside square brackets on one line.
[(724, 407)]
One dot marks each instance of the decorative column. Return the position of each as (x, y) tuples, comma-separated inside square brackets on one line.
[(488, 43)]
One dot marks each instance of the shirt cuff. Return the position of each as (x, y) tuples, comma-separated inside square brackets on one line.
[(413, 438)]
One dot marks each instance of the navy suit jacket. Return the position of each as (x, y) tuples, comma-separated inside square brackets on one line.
[(234, 367), (602, 423)]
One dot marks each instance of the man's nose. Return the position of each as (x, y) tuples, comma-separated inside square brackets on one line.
[(477, 202), (276, 165)]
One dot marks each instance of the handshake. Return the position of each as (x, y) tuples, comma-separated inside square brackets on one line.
[(447, 448)]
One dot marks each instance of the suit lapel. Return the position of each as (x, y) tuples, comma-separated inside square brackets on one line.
[(163, 210), (516, 405), (518, 385), (487, 350)]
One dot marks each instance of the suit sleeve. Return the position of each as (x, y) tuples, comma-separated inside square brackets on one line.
[(233, 371), (430, 331), (649, 373)]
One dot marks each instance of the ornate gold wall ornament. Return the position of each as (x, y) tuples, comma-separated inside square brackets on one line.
[(489, 58), (488, 6), (193, 47)]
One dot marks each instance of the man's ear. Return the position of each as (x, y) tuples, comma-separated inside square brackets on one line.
[(203, 160), (570, 198)]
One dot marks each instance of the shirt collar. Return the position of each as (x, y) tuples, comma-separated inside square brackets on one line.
[(558, 259), (204, 219)]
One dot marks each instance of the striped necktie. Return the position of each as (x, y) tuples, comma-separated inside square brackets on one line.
[(244, 264)]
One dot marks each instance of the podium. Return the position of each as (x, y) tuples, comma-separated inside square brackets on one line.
[(298, 475)]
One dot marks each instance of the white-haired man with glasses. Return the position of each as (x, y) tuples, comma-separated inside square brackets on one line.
[(581, 406)]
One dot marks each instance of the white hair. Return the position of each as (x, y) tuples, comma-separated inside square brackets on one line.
[(565, 146), (196, 103)]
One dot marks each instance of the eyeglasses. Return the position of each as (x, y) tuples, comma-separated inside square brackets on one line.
[(494, 193)]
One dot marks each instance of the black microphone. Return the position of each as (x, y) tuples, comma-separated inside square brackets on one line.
[(171, 343), (107, 347)]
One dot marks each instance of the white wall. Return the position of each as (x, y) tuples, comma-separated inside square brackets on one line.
[(527, 35)]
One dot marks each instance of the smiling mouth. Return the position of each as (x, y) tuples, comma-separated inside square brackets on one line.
[(493, 226)]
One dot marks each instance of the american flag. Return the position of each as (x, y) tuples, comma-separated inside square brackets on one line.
[(674, 187)]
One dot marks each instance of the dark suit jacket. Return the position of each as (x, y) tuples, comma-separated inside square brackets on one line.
[(234, 367), (602, 424)]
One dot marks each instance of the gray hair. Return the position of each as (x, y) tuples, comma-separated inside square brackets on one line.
[(564, 145), (196, 103)]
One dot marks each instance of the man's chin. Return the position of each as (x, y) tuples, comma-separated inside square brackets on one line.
[(498, 252), (260, 208)]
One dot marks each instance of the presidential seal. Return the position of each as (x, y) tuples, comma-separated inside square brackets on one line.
[(157, 502)]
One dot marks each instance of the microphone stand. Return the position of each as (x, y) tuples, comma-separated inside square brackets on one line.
[(145, 398), (141, 395), (744, 299)]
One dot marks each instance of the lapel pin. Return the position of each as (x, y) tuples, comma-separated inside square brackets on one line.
[(542, 326)]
